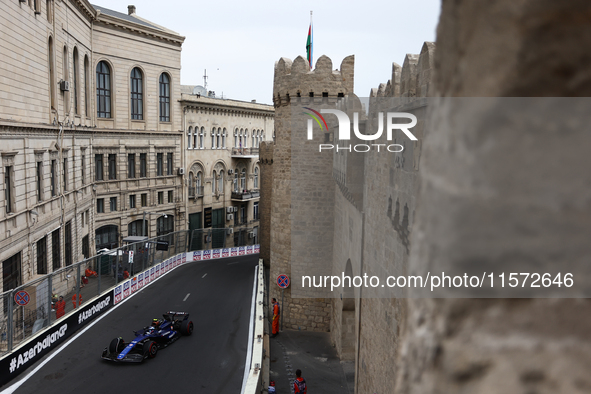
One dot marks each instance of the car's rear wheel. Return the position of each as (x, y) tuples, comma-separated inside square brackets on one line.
[(150, 349), (187, 327)]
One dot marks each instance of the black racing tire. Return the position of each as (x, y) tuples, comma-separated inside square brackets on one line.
[(150, 349), (186, 327), (117, 345)]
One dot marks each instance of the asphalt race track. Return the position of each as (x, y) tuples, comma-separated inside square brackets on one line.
[(210, 361)]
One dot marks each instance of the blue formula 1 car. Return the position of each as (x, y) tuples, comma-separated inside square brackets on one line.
[(150, 339)]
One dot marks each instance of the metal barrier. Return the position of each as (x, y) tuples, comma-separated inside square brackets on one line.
[(254, 380), (33, 306)]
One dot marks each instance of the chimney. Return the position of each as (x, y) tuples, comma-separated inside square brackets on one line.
[(130, 9)]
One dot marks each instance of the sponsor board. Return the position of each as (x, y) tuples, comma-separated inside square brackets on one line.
[(226, 252), (233, 251), (152, 273), (257, 248), (118, 294), (215, 254), (249, 249), (197, 255), (157, 271), (39, 346), (184, 258), (133, 284), (207, 255), (241, 251), (126, 289)]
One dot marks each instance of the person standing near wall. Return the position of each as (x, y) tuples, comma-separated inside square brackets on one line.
[(276, 313), (299, 386)]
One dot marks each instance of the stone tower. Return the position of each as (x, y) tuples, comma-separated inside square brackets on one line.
[(309, 217)]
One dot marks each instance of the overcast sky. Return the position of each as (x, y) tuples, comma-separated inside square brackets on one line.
[(238, 42)]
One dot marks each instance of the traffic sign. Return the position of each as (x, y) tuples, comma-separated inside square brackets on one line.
[(283, 281), (22, 298)]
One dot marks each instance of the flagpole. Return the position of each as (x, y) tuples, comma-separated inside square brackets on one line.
[(311, 40)]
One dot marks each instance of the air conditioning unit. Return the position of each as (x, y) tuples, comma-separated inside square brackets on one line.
[(235, 209), (251, 234), (230, 172), (230, 209), (181, 171), (64, 86), (230, 231), (230, 216)]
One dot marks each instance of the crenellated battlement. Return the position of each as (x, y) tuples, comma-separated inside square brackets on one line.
[(411, 80), (295, 79)]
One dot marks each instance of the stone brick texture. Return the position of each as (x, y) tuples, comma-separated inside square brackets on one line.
[(390, 219)]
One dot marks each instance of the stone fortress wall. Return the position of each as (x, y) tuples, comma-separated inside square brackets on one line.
[(390, 218)]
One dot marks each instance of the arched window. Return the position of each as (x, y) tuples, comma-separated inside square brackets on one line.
[(240, 138), (213, 138), (224, 134), (164, 98), (218, 138), (51, 74), (236, 138), (201, 137), (191, 189), (164, 225), (135, 228), (66, 77), (86, 86), (213, 179), (243, 179), (221, 182), (256, 177), (107, 237), (246, 138), (195, 132), (189, 137), (137, 94), (236, 180), (103, 90), (75, 69), (198, 184), (254, 144)]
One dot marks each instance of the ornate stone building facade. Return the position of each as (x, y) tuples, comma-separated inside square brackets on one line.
[(90, 131), (222, 170)]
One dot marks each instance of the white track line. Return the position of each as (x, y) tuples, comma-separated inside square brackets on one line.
[(250, 330), (204, 276), (187, 296)]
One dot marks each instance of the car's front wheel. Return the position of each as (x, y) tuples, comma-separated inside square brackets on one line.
[(117, 345), (150, 349)]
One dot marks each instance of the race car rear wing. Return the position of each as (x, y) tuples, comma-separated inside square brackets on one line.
[(172, 316)]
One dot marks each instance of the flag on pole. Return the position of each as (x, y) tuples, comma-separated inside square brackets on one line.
[(309, 44)]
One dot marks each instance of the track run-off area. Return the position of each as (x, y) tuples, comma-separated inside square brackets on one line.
[(218, 296)]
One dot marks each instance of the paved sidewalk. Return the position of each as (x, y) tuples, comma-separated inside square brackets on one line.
[(313, 353)]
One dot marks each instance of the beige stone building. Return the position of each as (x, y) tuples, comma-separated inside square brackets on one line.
[(222, 169), (90, 133)]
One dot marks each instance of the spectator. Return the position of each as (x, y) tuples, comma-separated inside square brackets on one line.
[(299, 386)]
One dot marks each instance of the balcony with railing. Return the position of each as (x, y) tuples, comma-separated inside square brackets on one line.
[(245, 153), (196, 192), (245, 195)]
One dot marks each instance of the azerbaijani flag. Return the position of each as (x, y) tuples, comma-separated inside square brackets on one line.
[(309, 44)]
